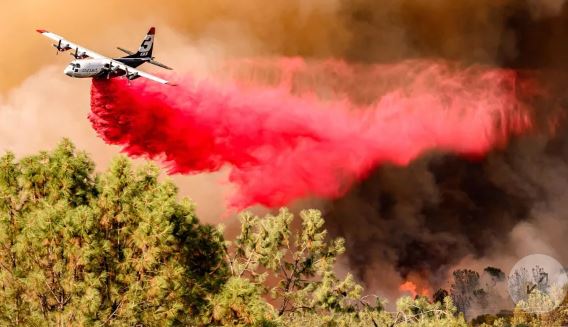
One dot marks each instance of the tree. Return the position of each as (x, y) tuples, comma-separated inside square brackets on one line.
[(466, 290), (295, 269), (497, 275), (418, 312), (118, 248), (78, 248), (440, 295), (240, 303)]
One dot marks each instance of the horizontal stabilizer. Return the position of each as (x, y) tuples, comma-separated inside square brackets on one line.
[(125, 51), (159, 64)]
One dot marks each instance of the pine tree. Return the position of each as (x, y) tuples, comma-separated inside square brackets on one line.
[(118, 248), (294, 268), (77, 248)]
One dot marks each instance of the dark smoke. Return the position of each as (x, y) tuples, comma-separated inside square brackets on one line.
[(426, 218), (510, 33)]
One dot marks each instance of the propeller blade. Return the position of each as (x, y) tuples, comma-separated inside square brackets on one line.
[(127, 76), (76, 54), (109, 69)]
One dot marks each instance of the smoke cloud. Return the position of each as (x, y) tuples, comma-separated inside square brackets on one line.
[(443, 212), (482, 31), (415, 222)]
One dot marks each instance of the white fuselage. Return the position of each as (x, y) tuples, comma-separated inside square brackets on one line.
[(83, 68)]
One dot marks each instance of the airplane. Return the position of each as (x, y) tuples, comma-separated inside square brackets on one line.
[(88, 63)]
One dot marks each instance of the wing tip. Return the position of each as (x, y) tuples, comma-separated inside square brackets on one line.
[(171, 84), (41, 31), (152, 30)]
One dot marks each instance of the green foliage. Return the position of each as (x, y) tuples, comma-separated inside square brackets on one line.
[(420, 312), (536, 311), (299, 264), (294, 265), (410, 312), (82, 249), (79, 248), (239, 303)]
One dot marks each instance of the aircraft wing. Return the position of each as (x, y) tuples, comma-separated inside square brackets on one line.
[(81, 52), (132, 73), (63, 44)]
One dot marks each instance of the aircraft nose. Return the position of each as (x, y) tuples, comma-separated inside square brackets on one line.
[(68, 71)]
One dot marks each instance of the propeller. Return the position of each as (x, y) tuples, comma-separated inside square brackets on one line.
[(111, 69), (60, 48), (78, 55), (130, 77), (127, 76)]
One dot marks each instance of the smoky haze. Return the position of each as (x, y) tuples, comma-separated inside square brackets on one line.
[(421, 220), (503, 32), (443, 212)]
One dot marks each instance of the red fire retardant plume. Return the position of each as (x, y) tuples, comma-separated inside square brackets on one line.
[(282, 147)]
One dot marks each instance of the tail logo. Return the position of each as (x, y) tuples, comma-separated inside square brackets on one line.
[(146, 45)]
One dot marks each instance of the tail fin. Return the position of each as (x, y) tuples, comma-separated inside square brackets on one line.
[(147, 46), (144, 53)]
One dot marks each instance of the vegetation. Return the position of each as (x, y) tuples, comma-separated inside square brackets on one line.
[(79, 248)]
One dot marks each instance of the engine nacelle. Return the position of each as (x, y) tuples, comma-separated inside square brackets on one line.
[(132, 76)]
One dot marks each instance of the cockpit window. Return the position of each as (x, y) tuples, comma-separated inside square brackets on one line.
[(77, 66)]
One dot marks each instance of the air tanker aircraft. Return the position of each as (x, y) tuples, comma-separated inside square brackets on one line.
[(88, 63)]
